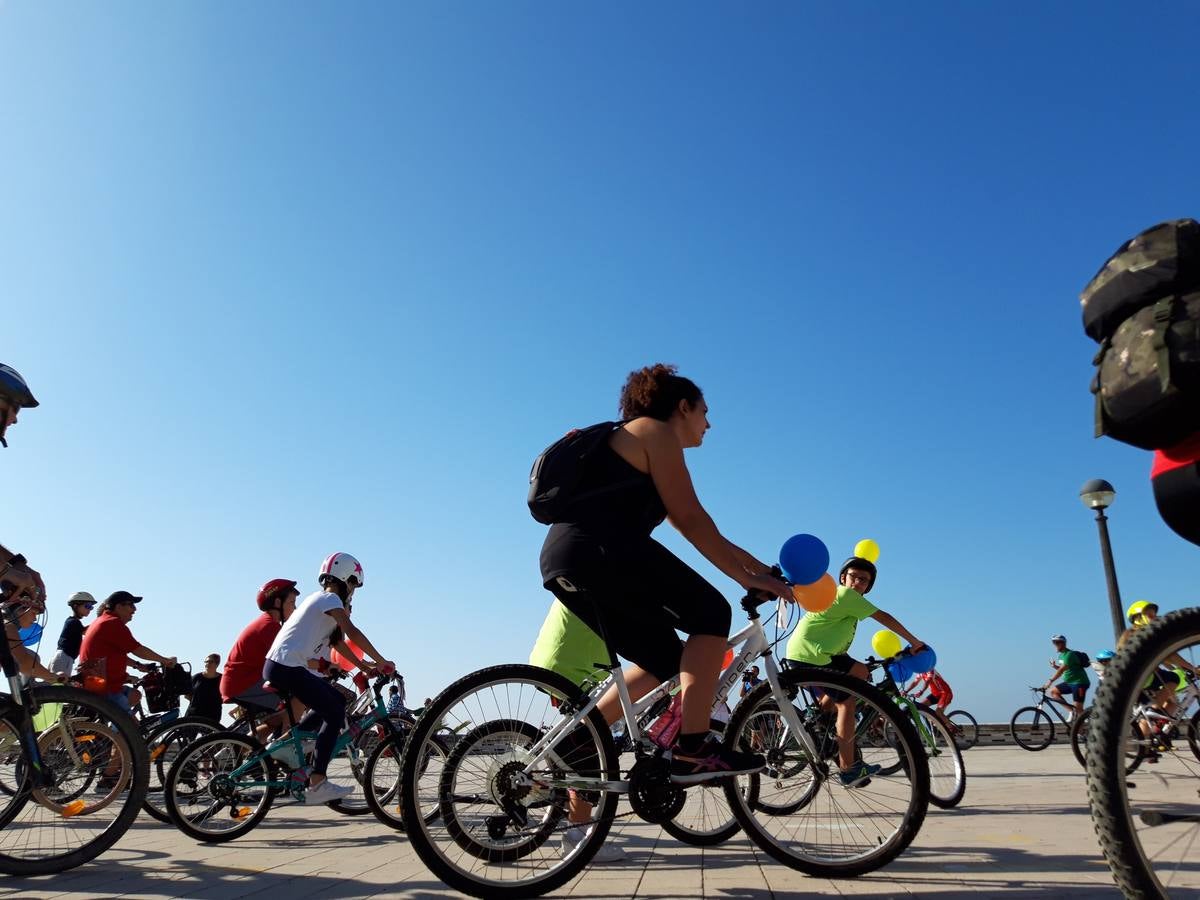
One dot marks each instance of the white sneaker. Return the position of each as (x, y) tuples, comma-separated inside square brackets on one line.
[(326, 792), (608, 853)]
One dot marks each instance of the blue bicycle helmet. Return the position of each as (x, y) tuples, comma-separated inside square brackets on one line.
[(1105, 654)]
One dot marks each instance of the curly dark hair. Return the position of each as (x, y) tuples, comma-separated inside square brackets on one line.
[(655, 391)]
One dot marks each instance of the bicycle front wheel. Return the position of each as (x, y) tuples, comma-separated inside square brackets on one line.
[(947, 774), (1031, 728), (163, 745), (964, 728), (1148, 823), (93, 782), (381, 780), (832, 829), (491, 829)]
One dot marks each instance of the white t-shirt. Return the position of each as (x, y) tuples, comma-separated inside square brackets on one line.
[(305, 635)]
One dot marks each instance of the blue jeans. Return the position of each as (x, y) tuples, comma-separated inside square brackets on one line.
[(326, 708), (121, 700)]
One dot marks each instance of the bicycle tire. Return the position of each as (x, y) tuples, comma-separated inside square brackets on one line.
[(910, 804), (180, 788), (1041, 729), (948, 781), (103, 730), (966, 729), (1193, 734), (1108, 786), (382, 788), (163, 744), (524, 692)]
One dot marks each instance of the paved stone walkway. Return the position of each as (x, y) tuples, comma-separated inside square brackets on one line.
[(1023, 830)]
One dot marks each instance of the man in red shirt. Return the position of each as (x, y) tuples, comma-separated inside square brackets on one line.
[(242, 681), (107, 645)]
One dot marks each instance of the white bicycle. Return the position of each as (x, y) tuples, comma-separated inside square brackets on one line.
[(483, 817)]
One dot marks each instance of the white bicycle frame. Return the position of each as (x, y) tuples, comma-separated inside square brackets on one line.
[(754, 645)]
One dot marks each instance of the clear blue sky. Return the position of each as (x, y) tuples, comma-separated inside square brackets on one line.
[(291, 280)]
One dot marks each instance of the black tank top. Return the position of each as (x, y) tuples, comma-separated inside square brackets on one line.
[(607, 523)]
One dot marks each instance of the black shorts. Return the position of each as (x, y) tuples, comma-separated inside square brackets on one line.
[(1177, 495), (637, 601), (1073, 691), (840, 662)]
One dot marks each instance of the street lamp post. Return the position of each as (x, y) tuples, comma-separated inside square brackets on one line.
[(1098, 494)]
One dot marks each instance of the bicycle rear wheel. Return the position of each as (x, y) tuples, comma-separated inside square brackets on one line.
[(1032, 729), (163, 745), (96, 768), (219, 787), (965, 728), (1148, 823), (496, 831), (830, 830)]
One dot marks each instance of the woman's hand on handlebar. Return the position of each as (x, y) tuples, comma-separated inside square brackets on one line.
[(768, 584)]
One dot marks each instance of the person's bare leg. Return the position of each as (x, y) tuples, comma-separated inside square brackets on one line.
[(700, 667), (639, 682)]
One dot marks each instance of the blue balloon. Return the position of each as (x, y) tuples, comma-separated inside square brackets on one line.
[(901, 669), (31, 635), (804, 558), (923, 661)]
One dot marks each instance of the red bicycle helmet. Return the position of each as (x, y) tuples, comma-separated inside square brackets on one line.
[(274, 590)]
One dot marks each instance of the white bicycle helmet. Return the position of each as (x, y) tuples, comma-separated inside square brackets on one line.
[(343, 567)]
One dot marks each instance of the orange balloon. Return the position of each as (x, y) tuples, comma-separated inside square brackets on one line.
[(818, 596), (342, 662)]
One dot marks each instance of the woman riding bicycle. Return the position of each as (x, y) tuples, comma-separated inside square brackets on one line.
[(320, 622), (604, 566)]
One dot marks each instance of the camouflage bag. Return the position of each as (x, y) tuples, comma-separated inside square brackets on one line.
[(1143, 307)]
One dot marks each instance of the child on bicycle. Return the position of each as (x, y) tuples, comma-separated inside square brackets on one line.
[(1165, 681), (320, 622), (822, 640), (566, 645), (242, 681)]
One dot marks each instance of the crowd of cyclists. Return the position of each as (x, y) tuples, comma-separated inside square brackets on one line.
[(617, 592)]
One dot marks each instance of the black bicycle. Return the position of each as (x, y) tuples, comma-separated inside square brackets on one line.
[(74, 768), (1032, 726)]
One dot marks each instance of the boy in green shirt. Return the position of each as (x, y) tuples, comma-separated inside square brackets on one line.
[(822, 640), (567, 646)]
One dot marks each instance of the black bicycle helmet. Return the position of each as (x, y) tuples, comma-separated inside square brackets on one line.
[(857, 562), (13, 386)]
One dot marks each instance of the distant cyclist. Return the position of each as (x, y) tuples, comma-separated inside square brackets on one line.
[(1070, 666), (70, 640), (108, 644), (1166, 680), (938, 689)]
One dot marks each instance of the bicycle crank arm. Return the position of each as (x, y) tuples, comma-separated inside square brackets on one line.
[(583, 784)]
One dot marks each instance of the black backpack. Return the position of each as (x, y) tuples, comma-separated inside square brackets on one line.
[(1082, 659), (1143, 308), (556, 473)]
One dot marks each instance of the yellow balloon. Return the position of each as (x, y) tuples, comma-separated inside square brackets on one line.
[(886, 644), (867, 549)]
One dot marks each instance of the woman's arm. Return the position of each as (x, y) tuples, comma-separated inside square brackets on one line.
[(671, 478)]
